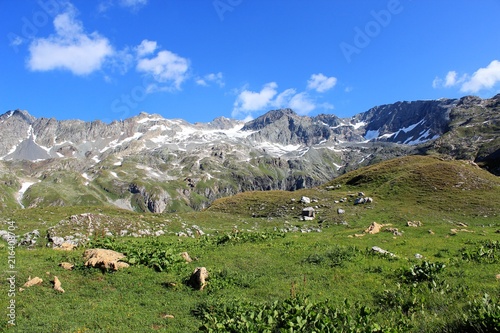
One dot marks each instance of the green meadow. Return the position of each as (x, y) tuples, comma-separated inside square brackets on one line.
[(270, 271)]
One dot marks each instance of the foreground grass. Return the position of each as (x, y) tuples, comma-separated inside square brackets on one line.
[(327, 266)]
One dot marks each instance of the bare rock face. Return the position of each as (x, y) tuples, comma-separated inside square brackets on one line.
[(198, 278), (104, 259), (155, 200)]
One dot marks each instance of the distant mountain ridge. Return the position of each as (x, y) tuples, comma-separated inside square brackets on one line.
[(155, 164)]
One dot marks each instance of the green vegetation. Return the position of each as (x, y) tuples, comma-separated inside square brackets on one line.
[(271, 272)]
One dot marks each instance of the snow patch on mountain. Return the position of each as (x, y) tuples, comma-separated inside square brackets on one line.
[(20, 194), (277, 150), (359, 124)]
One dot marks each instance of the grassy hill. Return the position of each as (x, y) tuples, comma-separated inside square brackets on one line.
[(270, 271)]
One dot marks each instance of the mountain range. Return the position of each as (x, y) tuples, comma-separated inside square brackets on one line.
[(149, 163)]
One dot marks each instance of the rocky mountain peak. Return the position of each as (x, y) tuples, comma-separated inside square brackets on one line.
[(148, 162), (223, 123), (21, 115), (269, 118)]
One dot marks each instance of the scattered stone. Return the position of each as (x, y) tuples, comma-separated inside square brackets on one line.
[(186, 257), (56, 241), (66, 246), (361, 194), (29, 238), (455, 231), (359, 201), (498, 276), (67, 266), (57, 284), (340, 211), (198, 278), (418, 256), (168, 316), (104, 259), (305, 200), (7, 236), (394, 231), (32, 282), (431, 232), (308, 214), (374, 228), (460, 224), (363, 200), (414, 224), (382, 251)]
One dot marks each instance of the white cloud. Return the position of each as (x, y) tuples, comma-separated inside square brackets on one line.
[(166, 67), (133, 3), (248, 101), (321, 83), (216, 78), (483, 78), (268, 97), (283, 99), (451, 79), (146, 47), (302, 103), (70, 48)]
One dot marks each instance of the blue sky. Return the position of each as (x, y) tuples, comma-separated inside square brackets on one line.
[(200, 59)]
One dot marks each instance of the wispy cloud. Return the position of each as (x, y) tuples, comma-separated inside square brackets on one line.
[(166, 67), (69, 48), (216, 78), (321, 83), (302, 103), (483, 79), (133, 5)]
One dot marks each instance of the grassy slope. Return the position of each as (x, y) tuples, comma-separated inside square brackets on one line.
[(438, 193)]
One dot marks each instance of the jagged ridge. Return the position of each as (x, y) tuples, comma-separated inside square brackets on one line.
[(155, 164)]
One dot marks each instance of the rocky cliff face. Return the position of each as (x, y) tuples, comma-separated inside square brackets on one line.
[(154, 164)]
